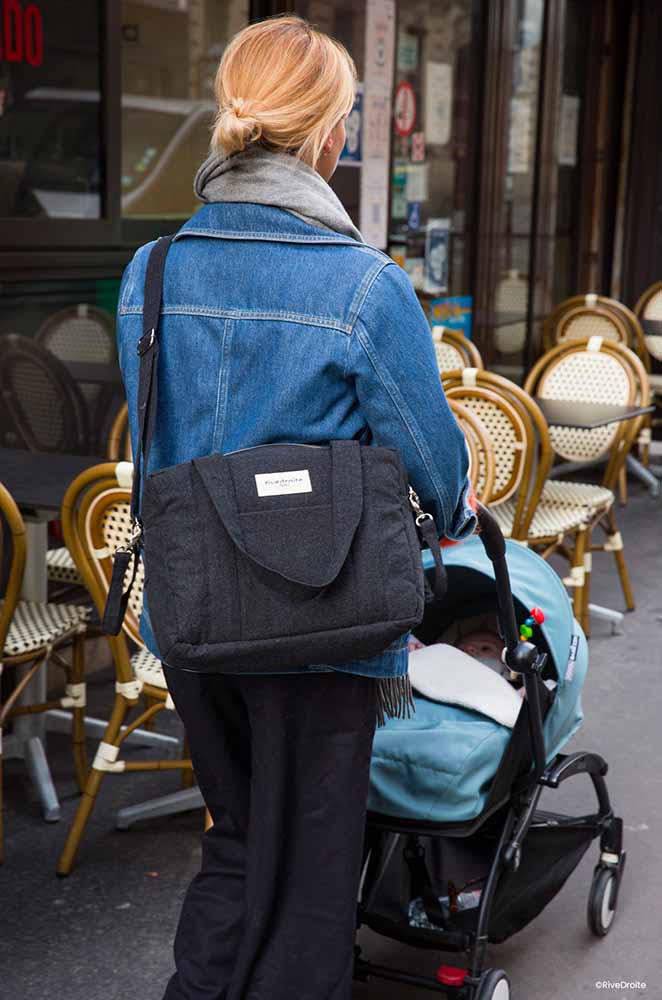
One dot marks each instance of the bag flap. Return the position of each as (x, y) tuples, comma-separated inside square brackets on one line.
[(292, 509)]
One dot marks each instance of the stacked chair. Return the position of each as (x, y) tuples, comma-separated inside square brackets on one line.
[(585, 316), (95, 521), (454, 351), (33, 634), (61, 567), (594, 371), (523, 454), (649, 311)]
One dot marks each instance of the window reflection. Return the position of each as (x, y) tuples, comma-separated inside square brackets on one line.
[(50, 160)]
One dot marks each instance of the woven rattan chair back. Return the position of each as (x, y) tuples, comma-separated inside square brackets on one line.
[(43, 401), (481, 454), (83, 333), (649, 306), (454, 351), (119, 439), (107, 525), (588, 371), (12, 558), (528, 451), (79, 333), (582, 321), (511, 437)]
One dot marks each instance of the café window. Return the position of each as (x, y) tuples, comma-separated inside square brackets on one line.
[(51, 164), (170, 53)]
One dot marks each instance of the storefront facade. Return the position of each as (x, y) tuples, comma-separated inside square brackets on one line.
[(488, 151)]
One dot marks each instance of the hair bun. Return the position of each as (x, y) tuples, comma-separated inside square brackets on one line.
[(234, 129)]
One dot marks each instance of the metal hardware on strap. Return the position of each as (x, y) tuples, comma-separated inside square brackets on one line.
[(149, 337)]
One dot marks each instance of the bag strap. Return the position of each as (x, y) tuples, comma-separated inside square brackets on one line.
[(148, 349)]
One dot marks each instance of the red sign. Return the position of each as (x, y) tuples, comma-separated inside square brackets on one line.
[(22, 38), (405, 108)]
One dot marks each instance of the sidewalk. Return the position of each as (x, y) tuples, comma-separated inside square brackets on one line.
[(105, 932)]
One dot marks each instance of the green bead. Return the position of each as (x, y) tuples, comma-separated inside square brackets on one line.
[(526, 632)]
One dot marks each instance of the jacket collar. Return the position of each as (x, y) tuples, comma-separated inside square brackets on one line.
[(248, 221)]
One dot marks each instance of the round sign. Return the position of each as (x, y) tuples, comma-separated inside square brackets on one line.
[(405, 108)]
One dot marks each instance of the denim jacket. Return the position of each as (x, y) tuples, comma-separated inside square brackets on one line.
[(274, 330)]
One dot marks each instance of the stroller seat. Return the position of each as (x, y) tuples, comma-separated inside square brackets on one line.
[(437, 766)]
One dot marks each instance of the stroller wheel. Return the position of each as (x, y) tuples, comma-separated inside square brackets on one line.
[(602, 901), (494, 985)]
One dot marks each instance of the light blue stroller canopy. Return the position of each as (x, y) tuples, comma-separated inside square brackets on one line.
[(438, 766)]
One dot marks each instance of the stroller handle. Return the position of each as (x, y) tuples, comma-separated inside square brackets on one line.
[(495, 549), (522, 657)]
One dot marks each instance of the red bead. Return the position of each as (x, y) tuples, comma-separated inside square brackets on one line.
[(449, 975), (538, 615)]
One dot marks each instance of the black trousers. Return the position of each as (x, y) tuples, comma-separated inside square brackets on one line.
[(283, 765)]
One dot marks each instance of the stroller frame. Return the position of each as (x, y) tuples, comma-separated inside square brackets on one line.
[(520, 806)]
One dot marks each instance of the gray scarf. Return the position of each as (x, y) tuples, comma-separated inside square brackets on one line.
[(278, 179)]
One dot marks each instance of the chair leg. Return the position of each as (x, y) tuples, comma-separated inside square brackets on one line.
[(623, 486), (90, 791), (578, 574), (188, 775), (2, 808), (614, 544), (78, 713), (585, 619)]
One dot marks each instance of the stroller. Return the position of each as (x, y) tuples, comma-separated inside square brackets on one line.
[(457, 852)]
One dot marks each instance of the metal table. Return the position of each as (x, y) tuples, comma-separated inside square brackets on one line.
[(94, 372), (38, 482), (571, 413)]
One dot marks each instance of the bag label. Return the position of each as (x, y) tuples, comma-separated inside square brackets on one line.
[(275, 484)]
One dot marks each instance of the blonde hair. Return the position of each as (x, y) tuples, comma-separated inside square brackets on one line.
[(284, 85)]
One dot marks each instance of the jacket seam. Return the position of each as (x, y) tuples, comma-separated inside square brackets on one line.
[(363, 290), (327, 323), (222, 388), (407, 419)]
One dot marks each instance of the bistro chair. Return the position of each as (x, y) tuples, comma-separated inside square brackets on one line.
[(593, 371), (454, 350), (482, 468), (523, 457), (649, 311), (95, 521), (119, 439), (32, 634), (44, 403), (83, 333), (590, 315), (61, 567)]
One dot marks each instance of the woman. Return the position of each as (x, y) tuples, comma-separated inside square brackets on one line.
[(280, 324)]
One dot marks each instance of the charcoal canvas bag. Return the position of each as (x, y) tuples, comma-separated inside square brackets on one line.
[(273, 557)]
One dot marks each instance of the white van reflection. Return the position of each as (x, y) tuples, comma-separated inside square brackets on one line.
[(50, 163)]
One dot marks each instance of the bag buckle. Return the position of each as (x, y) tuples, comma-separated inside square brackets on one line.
[(134, 541), (415, 502), (149, 337)]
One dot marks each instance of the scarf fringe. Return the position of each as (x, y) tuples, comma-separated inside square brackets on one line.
[(395, 699)]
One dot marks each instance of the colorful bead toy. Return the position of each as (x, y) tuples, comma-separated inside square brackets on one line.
[(536, 617)]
